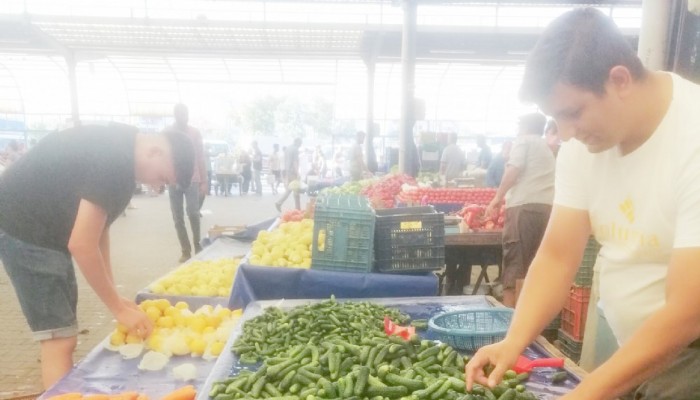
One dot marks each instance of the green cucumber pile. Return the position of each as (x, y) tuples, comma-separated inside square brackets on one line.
[(334, 350), (275, 331)]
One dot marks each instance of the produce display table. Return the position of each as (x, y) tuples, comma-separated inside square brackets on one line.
[(425, 307), (105, 371), (221, 248), (462, 250), (255, 283)]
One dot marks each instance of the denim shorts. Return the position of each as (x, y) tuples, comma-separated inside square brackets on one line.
[(44, 281)]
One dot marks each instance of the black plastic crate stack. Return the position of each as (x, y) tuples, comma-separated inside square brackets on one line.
[(409, 240), (573, 316), (343, 234)]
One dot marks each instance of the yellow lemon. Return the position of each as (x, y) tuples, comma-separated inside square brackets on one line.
[(117, 338), (198, 346), (224, 313), (208, 330), (153, 313), (123, 329), (155, 342), (197, 323), (165, 322), (180, 321), (237, 312), (181, 305), (162, 304), (171, 311), (216, 347), (131, 339)]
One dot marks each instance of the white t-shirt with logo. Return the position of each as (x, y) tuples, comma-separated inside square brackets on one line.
[(641, 206)]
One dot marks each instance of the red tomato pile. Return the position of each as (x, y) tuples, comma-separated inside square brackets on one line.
[(293, 215), (382, 193), (448, 195), (474, 216)]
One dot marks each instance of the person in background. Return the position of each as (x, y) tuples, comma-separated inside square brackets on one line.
[(275, 168), (208, 165), (257, 168), (192, 194), (224, 169), (338, 161), (89, 172), (372, 165), (283, 163), (358, 169), (527, 187), (319, 163), (551, 136), (244, 164), (498, 165), (292, 175), (628, 172), (484, 153), (452, 162)]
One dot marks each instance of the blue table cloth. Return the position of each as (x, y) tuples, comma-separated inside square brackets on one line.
[(255, 283), (417, 308), (105, 372)]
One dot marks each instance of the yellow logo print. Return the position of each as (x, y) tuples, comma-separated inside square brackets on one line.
[(627, 208)]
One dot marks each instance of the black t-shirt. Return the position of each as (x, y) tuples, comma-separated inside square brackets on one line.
[(40, 193)]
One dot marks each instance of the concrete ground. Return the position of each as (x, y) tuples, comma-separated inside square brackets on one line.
[(144, 247)]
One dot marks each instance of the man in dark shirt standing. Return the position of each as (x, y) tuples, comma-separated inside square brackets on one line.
[(58, 202), (193, 194)]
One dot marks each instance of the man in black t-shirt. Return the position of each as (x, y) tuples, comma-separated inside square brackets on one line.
[(58, 202)]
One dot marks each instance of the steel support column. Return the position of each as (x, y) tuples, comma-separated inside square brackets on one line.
[(73, 86), (408, 66)]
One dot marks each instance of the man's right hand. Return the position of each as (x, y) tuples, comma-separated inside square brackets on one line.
[(134, 320), (501, 355)]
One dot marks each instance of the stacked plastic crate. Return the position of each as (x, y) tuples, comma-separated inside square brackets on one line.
[(573, 316)]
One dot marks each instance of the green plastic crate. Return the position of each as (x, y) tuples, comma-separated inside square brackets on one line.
[(343, 234), (584, 276), (570, 346)]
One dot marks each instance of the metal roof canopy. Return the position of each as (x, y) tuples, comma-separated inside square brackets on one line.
[(89, 37)]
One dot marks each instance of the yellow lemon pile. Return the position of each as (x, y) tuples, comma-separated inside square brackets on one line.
[(287, 246), (199, 278), (179, 331)]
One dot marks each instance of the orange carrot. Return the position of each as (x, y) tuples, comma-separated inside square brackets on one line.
[(125, 396), (183, 393), (67, 396), (97, 397)]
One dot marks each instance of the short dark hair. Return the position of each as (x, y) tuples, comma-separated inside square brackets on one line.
[(182, 152), (532, 124), (578, 48)]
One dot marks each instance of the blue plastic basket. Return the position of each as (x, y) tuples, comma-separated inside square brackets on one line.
[(471, 329)]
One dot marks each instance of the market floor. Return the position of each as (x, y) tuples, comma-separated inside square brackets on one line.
[(144, 247)]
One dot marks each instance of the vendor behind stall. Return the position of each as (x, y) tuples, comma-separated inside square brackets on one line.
[(58, 202), (632, 178)]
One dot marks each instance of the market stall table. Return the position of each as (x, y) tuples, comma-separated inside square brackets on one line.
[(105, 372), (418, 308), (462, 251), (255, 283)]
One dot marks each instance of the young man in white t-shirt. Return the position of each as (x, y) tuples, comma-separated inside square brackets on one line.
[(631, 177)]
